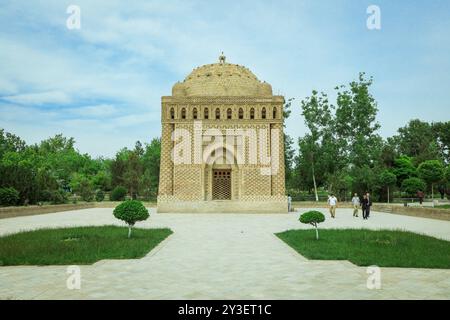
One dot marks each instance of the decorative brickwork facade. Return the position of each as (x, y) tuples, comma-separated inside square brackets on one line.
[(222, 146)]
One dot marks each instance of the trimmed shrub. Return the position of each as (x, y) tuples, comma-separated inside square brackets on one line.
[(131, 211), (99, 196), (118, 194), (59, 197), (313, 218), (9, 196)]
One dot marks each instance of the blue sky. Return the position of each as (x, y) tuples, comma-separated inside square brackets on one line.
[(102, 84)]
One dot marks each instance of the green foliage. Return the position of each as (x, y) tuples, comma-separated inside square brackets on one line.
[(383, 248), (447, 174), (404, 169), (99, 196), (388, 179), (431, 171), (86, 190), (78, 245), (312, 217), (412, 185), (118, 194), (58, 197), (131, 211), (9, 196)]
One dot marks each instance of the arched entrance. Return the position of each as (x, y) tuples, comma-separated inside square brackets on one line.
[(221, 174)]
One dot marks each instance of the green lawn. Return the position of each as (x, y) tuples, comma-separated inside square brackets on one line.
[(81, 245), (365, 247), (444, 206)]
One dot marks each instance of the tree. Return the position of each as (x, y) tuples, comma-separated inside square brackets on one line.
[(355, 124), (118, 193), (131, 211), (388, 180), (318, 118), (133, 174), (10, 143), (99, 196), (150, 163), (404, 169), (288, 149), (431, 171), (412, 185), (313, 218), (441, 131), (417, 140), (8, 196)]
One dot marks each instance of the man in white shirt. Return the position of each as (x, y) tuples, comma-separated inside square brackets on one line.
[(356, 204), (289, 203), (332, 202)]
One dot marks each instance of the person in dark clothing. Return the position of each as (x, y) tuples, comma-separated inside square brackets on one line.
[(442, 191), (369, 204), (420, 195), (364, 204)]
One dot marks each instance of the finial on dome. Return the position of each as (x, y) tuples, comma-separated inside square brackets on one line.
[(222, 58)]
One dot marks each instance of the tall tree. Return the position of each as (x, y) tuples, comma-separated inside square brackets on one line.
[(318, 118)]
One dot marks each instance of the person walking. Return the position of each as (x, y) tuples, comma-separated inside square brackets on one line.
[(356, 204), (332, 202), (420, 195), (369, 204), (289, 203), (364, 207)]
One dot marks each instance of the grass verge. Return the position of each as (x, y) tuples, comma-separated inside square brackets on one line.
[(383, 248), (79, 245)]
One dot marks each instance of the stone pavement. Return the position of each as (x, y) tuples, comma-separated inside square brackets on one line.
[(223, 256)]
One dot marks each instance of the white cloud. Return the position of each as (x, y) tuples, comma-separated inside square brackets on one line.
[(53, 97), (102, 110)]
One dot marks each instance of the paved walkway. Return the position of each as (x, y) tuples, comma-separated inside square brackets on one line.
[(223, 256)]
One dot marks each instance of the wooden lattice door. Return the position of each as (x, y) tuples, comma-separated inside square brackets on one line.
[(221, 188)]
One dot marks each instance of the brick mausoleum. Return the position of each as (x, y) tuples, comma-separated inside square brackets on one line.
[(222, 144)]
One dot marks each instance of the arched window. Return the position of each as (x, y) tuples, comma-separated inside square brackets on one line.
[(252, 113), (241, 113), (194, 113), (274, 115), (263, 113), (229, 113), (206, 113), (183, 113), (217, 113), (172, 113)]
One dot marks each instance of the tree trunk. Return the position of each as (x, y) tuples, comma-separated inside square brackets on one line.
[(315, 184), (129, 232), (317, 233), (389, 195), (432, 192)]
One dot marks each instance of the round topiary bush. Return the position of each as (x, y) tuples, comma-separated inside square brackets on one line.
[(131, 211), (99, 196), (9, 196), (313, 218), (118, 194)]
